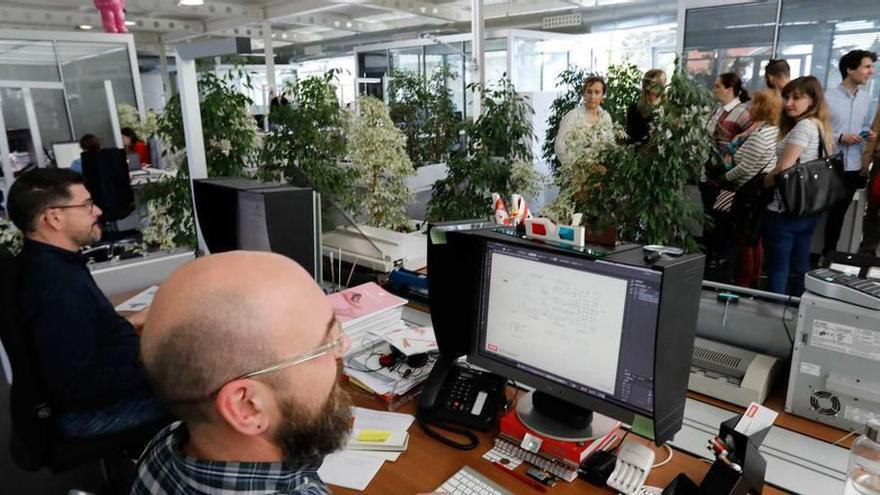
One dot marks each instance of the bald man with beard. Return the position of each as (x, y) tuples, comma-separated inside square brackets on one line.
[(244, 348)]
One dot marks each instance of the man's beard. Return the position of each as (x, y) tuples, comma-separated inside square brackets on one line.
[(92, 236), (306, 439)]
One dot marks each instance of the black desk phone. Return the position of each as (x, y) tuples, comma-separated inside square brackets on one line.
[(455, 395)]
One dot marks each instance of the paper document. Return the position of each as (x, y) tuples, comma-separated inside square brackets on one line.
[(412, 340), (380, 420), (140, 301), (350, 469), (381, 454), (755, 419)]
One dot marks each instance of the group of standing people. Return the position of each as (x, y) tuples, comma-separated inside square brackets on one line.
[(757, 138), (790, 122)]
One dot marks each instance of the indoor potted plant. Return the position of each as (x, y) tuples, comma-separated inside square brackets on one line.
[(381, 165)]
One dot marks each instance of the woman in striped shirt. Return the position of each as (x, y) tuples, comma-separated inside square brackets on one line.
[(756, 155)]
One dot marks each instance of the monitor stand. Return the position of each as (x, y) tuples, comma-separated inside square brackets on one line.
[(561, 420)]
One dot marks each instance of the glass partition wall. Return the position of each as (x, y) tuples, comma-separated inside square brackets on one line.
[(532, 59), (57, 86)]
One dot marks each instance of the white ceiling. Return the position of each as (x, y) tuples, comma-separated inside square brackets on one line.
[(305, 21)]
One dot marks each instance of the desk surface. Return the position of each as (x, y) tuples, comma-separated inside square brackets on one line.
[(427, 463)]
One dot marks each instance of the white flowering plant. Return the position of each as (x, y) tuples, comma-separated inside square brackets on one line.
[(589, 146), (379, 158), (10, 236)]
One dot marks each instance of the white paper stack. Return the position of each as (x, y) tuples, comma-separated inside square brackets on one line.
[(376, 437), (367, 312)]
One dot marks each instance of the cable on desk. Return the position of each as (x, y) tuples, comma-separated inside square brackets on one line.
[(473, 441), (649, 490), (665, 461), (785, 324), (854, 432)]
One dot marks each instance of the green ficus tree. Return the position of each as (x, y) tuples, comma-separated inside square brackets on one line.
[(308, 136), (423, 109), (231, 143), (497, 157), (642, 192), (381, 165), (623, 86)]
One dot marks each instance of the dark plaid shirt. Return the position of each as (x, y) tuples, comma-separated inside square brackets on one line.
[(163, 469)]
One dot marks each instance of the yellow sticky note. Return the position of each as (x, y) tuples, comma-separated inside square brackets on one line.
[(373, 436)]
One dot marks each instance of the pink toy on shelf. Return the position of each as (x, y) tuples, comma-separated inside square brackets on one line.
[(112, 15)]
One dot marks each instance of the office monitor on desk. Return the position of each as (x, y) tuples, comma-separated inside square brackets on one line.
[(611, 335), (235, 213)]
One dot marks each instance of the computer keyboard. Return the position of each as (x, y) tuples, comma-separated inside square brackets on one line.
[(469, 482)]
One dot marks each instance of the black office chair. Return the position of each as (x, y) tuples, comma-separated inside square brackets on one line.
[(33, 441), (106, 177)]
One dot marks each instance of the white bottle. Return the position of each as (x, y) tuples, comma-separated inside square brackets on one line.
[(863, 472)]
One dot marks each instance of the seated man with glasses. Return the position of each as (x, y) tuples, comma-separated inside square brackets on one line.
[(88, 353), (245, 349)]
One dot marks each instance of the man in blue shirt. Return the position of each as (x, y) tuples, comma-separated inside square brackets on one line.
[(244, 347), (851, 121), (88, 353)]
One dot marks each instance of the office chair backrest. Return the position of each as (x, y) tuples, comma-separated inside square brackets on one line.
[(28, 401), (106, 176)]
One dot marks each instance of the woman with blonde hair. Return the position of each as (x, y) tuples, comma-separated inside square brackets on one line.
[(754, 157), (804, 127), (640, 113)]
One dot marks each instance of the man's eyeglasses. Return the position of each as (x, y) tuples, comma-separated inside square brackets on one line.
[(334, 346), (89, 203)]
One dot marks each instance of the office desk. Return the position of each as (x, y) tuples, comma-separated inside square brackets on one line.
[(427, 463)]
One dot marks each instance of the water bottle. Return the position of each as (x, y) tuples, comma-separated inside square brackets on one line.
[(863, 472)]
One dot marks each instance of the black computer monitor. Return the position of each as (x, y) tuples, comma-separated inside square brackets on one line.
[(236, 213), (609, 335)]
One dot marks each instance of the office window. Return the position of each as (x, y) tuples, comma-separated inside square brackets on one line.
[(814, 34), (732, 38)]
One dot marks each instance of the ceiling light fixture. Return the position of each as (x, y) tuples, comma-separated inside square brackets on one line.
[(284, 36), (130, 23), (190, 3), (84, 27)]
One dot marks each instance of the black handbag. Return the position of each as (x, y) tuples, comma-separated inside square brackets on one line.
[(809, 188)]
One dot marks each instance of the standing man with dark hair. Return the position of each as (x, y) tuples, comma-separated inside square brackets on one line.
[(88, 353), (777, 73), (851, 120), (245, 349)]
